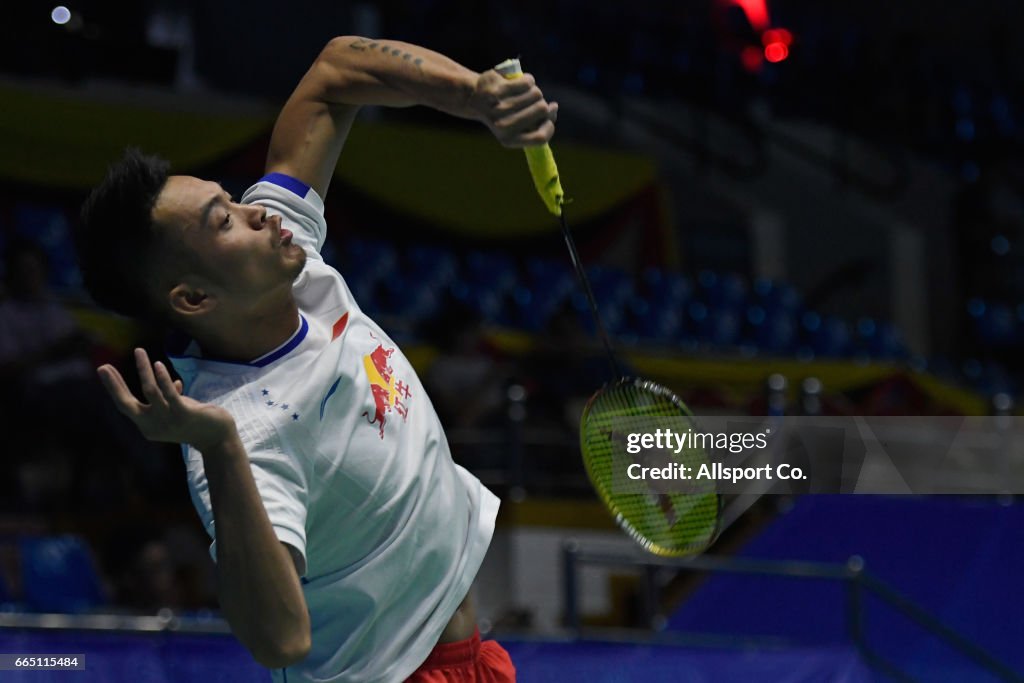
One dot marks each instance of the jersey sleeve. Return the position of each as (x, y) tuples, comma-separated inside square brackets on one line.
[(300, 207), (282, 487)]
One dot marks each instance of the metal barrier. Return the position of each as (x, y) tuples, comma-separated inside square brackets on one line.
[(165, 621), (852, 573)]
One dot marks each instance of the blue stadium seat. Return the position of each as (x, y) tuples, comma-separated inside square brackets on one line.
[(880, 340), (368, 259), (413, 289), (994, 323), (612, 314), (829, 337), (485, 284), (666, 288), (432, 267), (49, 227), (365, 264), (656, 323), (524, 311), (726, 290), (58, 574), (406, 296), (718, 326), (365, 292), (548, 273), (776, 296), (491, 269), (832, 338), (611, 286), (551, 283), (774, 332), (487, 303)]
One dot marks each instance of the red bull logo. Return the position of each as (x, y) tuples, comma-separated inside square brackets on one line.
[(388, 392)]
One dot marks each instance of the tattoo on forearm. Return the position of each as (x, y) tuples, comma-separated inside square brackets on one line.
[(364, 44)]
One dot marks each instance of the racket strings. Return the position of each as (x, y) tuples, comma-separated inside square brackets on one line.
[(666, 523)]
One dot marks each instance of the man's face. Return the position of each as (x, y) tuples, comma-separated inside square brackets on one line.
[(237, 254)]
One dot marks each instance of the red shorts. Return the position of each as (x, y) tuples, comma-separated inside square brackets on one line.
[(466, 661)]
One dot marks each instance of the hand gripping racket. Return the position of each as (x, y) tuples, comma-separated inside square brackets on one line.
[(669, 524)]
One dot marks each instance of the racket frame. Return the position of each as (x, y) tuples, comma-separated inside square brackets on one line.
[(620, 519)]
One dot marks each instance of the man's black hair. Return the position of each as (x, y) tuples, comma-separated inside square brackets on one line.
[(117, 239)]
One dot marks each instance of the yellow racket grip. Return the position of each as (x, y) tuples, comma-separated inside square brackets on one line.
[(539, 158)]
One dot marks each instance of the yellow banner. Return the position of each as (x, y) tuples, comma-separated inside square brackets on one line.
[(58, 138), (462, 180)]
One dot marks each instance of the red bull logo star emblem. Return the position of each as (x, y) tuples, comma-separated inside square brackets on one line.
[(389, 393)]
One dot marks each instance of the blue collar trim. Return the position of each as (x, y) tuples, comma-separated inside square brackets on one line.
[(178, 346), (287, 182), (285, 348)]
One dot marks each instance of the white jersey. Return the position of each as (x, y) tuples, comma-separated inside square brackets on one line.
[(353, 469)]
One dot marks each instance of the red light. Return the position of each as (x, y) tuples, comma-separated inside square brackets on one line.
[(776, 52), (776, 35), (756, 11), (751, 58)]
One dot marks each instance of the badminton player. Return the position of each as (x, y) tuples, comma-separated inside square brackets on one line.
[(345, 538)]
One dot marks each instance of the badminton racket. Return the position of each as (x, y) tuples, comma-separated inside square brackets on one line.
[(664, 523)]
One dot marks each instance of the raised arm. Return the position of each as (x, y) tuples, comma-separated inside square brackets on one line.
[(257, 576), (352, 71)]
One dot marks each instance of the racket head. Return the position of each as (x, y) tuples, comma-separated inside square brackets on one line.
[(667, 524)]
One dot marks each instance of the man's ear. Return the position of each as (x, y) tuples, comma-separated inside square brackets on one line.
[(189, 301)]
